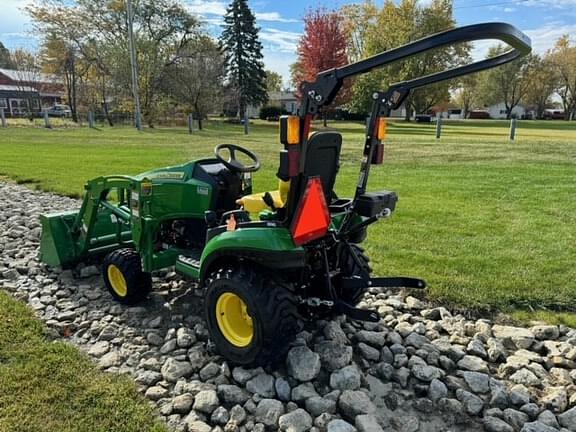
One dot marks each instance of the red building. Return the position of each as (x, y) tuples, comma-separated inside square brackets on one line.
[(22, 92)]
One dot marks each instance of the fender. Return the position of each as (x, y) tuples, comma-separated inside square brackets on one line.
[(269, 247)]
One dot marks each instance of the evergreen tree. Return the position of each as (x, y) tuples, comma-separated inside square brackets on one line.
[(243, 56), (5, 60)]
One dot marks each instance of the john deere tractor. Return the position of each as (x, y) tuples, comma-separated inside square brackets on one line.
[(266, 261)]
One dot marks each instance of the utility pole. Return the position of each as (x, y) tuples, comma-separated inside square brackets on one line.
[(134, 66)]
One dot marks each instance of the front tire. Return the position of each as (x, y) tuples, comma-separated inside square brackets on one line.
[(252, 316), (124, 278)]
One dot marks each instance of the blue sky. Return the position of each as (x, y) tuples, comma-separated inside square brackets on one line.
[(281, 22)]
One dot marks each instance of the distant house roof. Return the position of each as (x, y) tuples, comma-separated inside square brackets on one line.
[(282, 96), (4, 87), (29, 76)]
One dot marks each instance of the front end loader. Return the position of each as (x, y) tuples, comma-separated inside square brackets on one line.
[(266, 261)]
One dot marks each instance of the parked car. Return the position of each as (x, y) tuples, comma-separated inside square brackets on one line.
[(552, 114), (479, 114), (60, 111)]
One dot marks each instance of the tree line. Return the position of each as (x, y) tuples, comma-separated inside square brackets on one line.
[(181, 67), (334, 38)]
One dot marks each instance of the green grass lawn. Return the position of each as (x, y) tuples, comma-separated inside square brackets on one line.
[(51, 387), (489, 223)]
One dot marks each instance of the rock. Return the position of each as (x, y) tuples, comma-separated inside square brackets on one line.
[(546, 332), (262, 384), (198, 426), (110, 359), (206, 401), (155, 393), (472, 403), (376, 339), (283, 389), (172, 370), (515, 418), (333, 331), (168, 346), (268, 412), (154, 338), (347, 378), (185, 337), (555, 399), (496, 351), (478, 382), (525, 377), (519, 395), (209, 371), (367, 423), (88, 271), (148, 378), (303, 391), (548, 418), (181, 404), (537, 427), (568, 419), (334, 355), (99, 349), (232, 395), (413, 303), (368, 352), (416, 340), (302, 363), (355, 402), (295, 421), (220, 416), (317, 405), (237, 414), (437, 390), (338, 425), (476, 348), (531, 409), (472, 363), (494, 424), (427, 373), (520, 337)]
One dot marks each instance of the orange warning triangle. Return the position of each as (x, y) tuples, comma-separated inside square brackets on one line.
[(312, 217)]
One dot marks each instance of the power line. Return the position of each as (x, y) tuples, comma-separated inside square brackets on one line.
[(490, 4)]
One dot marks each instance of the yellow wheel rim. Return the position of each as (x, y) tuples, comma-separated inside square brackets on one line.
[(233, 320), (117, 280)]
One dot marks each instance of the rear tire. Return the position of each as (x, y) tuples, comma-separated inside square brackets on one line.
[(252, 316), (351, 267), (124, 278)]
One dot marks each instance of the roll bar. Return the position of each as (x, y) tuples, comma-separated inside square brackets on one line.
[(327, 84)]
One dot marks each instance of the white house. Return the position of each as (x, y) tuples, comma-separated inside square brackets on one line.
[(498, 111), (285, 100)]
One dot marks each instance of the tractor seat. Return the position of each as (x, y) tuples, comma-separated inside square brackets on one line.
[(255, 203), (322, 160)]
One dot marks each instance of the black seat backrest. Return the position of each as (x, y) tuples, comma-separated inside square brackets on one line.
[(323, 159)]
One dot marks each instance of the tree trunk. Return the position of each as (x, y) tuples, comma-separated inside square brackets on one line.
[(325, 118)]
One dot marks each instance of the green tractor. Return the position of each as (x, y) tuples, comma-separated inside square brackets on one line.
[(266, 261)]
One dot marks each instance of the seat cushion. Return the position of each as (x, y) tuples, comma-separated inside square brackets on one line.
[(254, 203)]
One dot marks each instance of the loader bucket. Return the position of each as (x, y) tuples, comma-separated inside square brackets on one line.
[(57, 245)]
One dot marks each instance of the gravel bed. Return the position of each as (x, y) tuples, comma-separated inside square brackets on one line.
[(420, 368)]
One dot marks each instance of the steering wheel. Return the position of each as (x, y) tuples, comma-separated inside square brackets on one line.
[(234, 164)]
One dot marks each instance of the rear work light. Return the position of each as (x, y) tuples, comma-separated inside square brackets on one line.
[(289, 130), (312, 216)]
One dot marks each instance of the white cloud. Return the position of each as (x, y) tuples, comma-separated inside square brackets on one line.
[(543, 38), (206, 7), (273, 17), (279, 40), (509, 9), (558, 4), (279, 62)]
